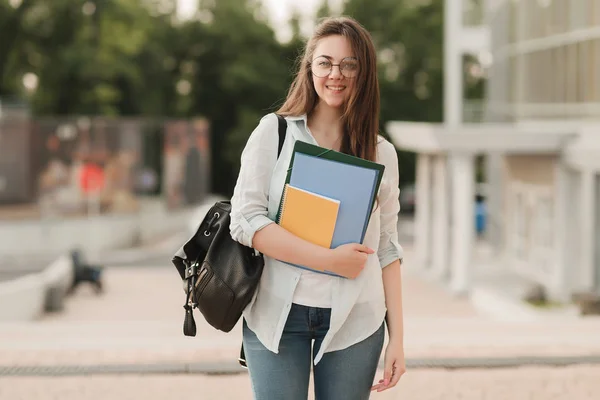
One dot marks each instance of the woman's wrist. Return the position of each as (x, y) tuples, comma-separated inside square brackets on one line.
[(318, 258), (396, 339), (327, 260), (274, 241)]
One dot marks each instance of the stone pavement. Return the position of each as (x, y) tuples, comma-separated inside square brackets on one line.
[(19, 212), (572, 383), (139, 321)]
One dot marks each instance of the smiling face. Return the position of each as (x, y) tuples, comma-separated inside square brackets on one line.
[(355, 99), (334, 53)]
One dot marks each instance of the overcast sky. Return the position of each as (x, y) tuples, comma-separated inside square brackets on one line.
[(279, 11)]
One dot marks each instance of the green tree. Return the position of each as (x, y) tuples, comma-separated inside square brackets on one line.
[(127, 57), (12, 17), (408, 38), (241, 74), (324, 10), (88, 56)]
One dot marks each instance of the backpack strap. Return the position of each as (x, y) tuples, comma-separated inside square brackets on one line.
[(282, 129)]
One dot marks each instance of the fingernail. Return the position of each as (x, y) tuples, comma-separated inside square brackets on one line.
[(386, 382)]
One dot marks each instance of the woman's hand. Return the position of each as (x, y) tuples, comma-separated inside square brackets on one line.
[(349, 260), (394, 366)]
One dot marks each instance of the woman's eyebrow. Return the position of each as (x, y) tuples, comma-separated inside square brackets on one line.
[(331, 58)]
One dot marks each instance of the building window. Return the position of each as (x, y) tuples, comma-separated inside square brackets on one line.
[(582, 61), (589, 73), (571, 74)]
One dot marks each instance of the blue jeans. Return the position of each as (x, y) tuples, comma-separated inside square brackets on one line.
[(346, 374)]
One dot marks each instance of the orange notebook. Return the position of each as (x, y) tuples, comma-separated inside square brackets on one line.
[(308, 215)]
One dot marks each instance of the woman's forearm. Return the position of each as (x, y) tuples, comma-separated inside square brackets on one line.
[(392, 284), (276, 242)]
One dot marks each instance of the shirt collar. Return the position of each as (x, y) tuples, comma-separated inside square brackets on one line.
[(296, 117), (304, 118)]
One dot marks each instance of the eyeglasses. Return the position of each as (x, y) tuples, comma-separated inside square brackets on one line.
[(321, 67)]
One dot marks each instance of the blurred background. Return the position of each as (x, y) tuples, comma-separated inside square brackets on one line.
[(122, 121)]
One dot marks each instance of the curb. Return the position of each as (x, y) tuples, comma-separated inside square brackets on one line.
[(233, 368), (499, 306), (22, 298), (170, 244), (57, 277), (27, 297)]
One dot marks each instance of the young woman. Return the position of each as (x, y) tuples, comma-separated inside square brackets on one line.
[(300, 318)]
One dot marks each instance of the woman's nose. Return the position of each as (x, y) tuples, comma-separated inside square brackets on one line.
[(336, 72)]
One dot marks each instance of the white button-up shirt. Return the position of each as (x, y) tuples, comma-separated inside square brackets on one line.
[(358, 305)]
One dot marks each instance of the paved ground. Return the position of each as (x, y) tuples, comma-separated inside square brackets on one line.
[(573, 383), (139, 320), (19, 212)]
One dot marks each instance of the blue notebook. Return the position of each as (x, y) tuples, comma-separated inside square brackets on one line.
[(351, 180), (352, 185)]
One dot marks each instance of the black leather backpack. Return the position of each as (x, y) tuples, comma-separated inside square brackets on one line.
[(220, 275)]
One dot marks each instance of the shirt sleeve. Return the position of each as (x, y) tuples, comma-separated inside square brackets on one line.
[(389, 249), (249, 202)]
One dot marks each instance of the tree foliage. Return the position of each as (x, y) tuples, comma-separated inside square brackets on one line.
[(134, 57), (408, 38)]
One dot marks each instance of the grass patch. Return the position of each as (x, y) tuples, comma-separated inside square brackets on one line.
[(547, 305)]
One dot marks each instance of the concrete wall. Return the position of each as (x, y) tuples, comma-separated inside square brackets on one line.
[(535, 170), (529, 209), (91, 234), (530, 169), (22, 299), (29, 296)]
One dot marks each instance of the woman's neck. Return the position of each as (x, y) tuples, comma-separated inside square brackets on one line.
[(326, 123)]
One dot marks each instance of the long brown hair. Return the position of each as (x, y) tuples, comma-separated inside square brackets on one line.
[(361, 113)]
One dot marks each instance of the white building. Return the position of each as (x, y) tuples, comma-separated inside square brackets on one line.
[(541, 142)]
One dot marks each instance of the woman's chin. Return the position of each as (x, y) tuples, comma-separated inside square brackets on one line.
[(334, 103)]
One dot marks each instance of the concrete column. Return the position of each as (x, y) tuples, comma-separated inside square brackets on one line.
[(422, 211), (440, 235), (495, 227), (521, 85), (587, 230), (573, 228), (596, 278), (453, 78), (559, 287), (463, 230)]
